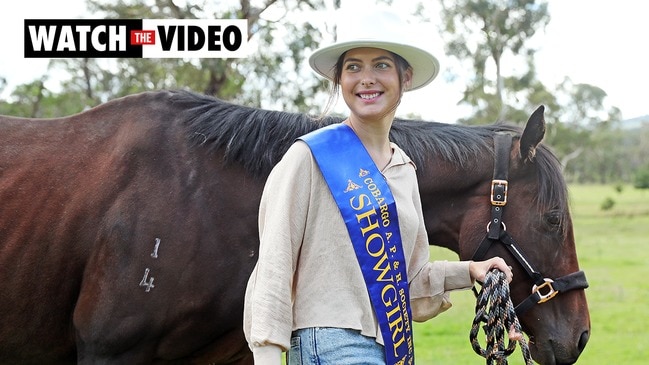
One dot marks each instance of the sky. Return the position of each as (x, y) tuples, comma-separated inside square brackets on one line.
[(599, 42)]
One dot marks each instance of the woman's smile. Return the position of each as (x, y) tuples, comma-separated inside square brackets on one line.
[(369, 96)]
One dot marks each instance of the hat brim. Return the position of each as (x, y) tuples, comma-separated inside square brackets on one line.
[(424, 65)]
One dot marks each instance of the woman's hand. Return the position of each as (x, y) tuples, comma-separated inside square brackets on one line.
[(479, 269)]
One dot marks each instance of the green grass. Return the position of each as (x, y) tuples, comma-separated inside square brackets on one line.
[(613, 250)]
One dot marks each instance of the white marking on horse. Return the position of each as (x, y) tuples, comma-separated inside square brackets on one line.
[(148, 284), (154, 254)]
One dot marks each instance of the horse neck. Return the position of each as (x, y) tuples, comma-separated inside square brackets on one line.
[(451, 197)]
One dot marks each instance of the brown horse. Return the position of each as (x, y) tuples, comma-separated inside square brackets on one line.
[(128, 231)]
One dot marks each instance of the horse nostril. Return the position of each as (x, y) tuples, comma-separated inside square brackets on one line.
[(583, 340)]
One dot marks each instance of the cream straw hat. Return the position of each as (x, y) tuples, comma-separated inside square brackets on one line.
[(378, 29)]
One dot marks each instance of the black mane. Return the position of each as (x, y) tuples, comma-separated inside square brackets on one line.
[(252, 137), (257, 138)]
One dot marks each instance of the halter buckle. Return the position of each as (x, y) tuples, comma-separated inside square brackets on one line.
[(499, 192), (547, 285)]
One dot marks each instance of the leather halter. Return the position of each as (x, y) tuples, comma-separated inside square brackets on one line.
[(544, 288)]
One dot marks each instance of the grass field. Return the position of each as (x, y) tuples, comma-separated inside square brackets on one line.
[(613, 250)]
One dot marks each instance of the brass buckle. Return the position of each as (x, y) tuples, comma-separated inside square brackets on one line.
[(499, 202), (550, 293)]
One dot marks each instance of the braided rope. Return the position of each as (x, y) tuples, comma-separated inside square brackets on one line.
[(494, 308)]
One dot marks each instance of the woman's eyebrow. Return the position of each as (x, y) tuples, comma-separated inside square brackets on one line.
[(379, 58)]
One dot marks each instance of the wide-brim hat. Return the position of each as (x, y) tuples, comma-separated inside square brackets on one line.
[(378, 29)]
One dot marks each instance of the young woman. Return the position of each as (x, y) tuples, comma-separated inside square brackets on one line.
[(343, 264)]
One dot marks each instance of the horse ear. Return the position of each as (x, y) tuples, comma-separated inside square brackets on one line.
[(533, 134)]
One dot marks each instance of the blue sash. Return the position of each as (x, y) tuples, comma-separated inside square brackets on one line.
[(370, 214)]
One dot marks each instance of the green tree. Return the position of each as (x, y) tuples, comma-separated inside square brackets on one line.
[(587, 136), (266, 67), (638, 156), (641, 178), (488, 30), (492, 35)]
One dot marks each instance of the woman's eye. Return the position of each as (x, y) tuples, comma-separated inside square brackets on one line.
[(382, 65), (352, 67)]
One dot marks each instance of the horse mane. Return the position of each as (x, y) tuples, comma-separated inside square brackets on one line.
[(257, 139), (251, 137)]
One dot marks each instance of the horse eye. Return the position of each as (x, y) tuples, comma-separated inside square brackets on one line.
[(553, 219)]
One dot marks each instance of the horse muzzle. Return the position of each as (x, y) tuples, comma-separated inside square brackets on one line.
[(553, 351)]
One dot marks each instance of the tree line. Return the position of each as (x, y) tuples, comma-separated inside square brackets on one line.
[(589, 138)]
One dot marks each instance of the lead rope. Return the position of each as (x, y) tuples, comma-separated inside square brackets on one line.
[(494, 308)]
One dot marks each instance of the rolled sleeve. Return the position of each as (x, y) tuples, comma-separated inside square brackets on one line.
[(267, 355), (430, 288)]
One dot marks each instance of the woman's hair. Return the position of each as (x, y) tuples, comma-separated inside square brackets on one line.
[(402, 67)]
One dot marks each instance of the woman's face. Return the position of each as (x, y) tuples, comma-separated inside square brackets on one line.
[(369, 82)]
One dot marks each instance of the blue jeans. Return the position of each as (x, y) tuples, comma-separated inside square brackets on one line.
[(334, 346)]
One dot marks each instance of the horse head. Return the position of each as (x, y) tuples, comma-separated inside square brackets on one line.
[(504, 195)]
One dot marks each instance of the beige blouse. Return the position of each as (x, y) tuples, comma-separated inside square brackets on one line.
[(307, 274)]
